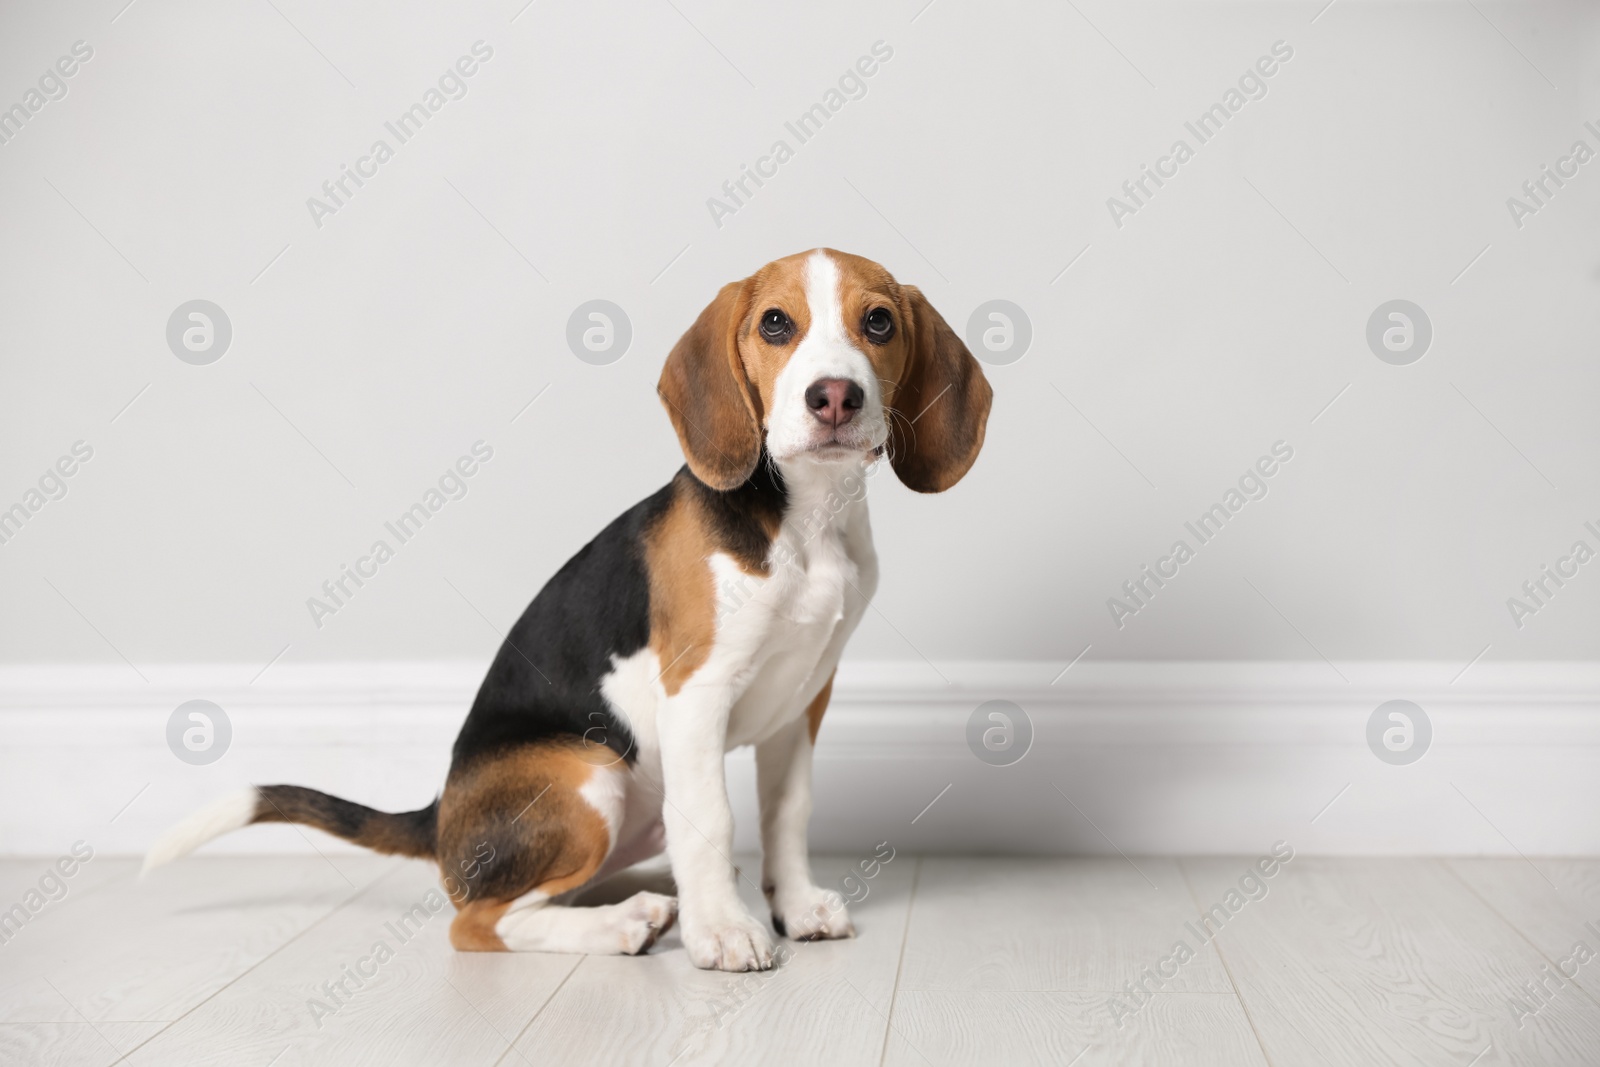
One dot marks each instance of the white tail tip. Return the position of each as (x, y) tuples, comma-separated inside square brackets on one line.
[(215, 819)]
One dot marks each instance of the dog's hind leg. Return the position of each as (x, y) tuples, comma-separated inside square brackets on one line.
[(532, 924), (521, 832)]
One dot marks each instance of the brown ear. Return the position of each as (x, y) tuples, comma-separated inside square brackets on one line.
[(707, 395), (944, 400)]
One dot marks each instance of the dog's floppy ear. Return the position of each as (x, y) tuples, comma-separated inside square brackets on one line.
[(943, 399), (707, 394)]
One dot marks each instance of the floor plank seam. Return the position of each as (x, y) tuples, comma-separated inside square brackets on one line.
[(538, 1012), (1194, 898), (1366, 960), (346, 902), (1514, 928), (899, 966)]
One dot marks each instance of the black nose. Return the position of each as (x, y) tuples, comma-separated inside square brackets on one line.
[(834, 401)]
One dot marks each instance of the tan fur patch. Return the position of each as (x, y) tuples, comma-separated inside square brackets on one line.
[(708, 397), (545, 836), (943, 401), (864, 285), (472, 930), (781, 284), (819, 705), (683, 592)]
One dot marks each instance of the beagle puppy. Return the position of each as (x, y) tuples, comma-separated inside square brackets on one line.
[(710, 615)]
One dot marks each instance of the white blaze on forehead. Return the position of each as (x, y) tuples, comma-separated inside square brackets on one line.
[(826, 350), (822, 297)]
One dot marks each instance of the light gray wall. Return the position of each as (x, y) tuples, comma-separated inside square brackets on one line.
[(419, 319)]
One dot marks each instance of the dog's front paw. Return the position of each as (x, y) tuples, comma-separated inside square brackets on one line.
[(727, 942), (811, 913)]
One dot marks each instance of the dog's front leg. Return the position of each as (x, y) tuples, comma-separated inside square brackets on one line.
[(718, 930), (800, 909)]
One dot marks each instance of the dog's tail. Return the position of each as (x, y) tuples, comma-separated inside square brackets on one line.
[(410, 833)]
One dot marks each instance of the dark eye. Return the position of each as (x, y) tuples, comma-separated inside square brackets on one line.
[(878, 326), (775, 326)]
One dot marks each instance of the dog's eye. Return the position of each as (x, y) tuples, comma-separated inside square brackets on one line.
[(775, 326), (878, 326)]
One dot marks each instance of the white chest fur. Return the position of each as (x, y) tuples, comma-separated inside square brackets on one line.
[(778, 636), (790, 626)]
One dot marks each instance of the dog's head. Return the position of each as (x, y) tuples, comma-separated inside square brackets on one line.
[(823, 357)]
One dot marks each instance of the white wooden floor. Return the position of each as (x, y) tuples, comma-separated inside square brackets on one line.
[(978, 960)]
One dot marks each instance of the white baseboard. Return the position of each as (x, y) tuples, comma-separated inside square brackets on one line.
[(1155, 757)]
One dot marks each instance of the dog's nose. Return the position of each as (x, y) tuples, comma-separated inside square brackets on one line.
[(834, 401)]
